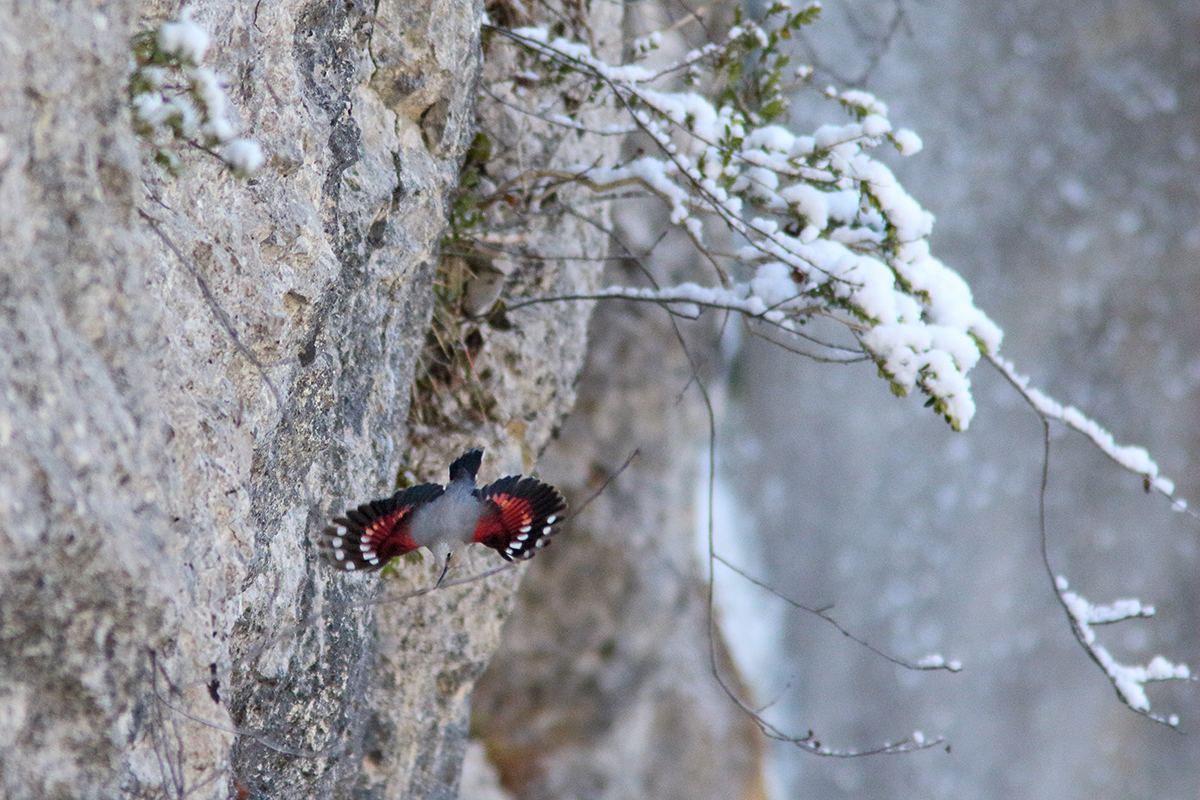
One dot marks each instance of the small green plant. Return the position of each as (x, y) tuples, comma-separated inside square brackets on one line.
[(445, 368)]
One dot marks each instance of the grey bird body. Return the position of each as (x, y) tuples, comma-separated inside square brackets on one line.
[(449, 521)]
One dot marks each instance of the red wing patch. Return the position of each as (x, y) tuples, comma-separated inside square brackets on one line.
[(519, 514), (374, 533)]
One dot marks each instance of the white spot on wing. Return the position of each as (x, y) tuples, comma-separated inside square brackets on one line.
[(553, 518), (522, 537), (350, 566), (337, 542), (340, 555), (526, 529)]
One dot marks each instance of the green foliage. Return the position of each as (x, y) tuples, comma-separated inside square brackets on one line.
[(465, 211), (749, 73)]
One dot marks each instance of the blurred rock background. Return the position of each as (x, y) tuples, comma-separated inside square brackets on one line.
[(1061, 162)]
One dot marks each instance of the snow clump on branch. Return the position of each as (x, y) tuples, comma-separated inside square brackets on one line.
[(175, 98), (826, 228)]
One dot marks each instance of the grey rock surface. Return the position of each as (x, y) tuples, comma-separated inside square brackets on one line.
[(196, 372), (182, 402)]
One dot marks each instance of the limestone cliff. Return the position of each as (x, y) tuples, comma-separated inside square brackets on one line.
[(197, 371)]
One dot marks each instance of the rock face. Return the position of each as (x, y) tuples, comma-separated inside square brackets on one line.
[(185, 396), (196, 372)]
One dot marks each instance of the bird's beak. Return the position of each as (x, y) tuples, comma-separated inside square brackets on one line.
[(445, 569)]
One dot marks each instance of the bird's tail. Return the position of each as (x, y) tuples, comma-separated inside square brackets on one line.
[(466, 466)]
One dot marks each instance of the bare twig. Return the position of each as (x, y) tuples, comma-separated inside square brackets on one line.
[(821, 613), (215, 307)]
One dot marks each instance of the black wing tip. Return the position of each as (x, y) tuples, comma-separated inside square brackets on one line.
[(414, 495), (466, 466), (338, 546), (549, 509), (545, 499), (341, 544)]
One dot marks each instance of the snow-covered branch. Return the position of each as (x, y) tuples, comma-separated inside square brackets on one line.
[(1129, 681), (822, 223), (1133, 458), (177, 100), (826, 230)]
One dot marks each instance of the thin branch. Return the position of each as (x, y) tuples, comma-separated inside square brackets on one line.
[(806, 354), (693, 15), (561, 121), (266, 741), (1134, 459), (636, 452), (215, 308), (489, 250), (1079, 627), (925, 665), (859, 355), (632, 294)]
